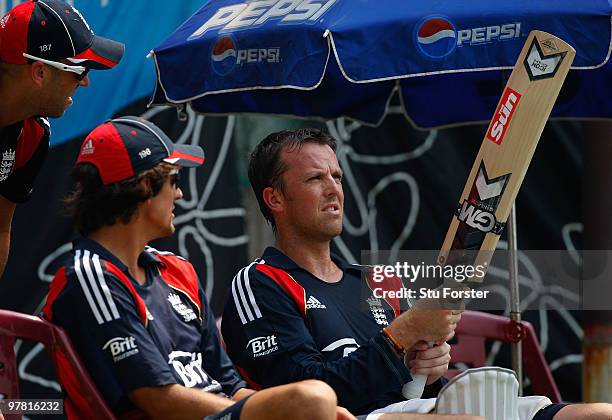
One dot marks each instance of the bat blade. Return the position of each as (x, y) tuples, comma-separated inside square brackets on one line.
[(503, 158), (507, 149)]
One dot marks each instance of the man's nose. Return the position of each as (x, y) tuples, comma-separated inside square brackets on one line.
[(178, 193), (333, 185), (85, 81)]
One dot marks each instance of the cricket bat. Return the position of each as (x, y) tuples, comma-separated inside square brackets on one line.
[(503, 158)]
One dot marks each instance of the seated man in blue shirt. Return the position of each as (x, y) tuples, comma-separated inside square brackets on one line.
[(137, 316), (300, 313)]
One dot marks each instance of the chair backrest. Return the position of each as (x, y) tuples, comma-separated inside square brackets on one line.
[(82, 398), (477, 327)]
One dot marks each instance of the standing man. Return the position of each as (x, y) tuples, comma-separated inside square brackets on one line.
[(46, 50), (137, 316)]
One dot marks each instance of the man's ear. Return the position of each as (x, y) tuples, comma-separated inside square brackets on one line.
[(273, 199), (145, 184), (39, 72)]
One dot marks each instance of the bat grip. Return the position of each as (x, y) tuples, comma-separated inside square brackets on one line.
[(414, 388)]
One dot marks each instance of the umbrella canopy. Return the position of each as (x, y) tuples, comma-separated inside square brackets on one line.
[(331, 58)]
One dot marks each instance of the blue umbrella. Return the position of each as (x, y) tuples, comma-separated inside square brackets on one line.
[(332, 58)]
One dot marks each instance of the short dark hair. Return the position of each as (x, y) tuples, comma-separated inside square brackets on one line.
[(266, 167), (94, 205)]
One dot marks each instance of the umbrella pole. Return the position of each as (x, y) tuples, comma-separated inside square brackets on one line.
[(515, 310)]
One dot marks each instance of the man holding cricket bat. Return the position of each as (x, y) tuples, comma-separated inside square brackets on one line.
[(300, 313), (287, 308)]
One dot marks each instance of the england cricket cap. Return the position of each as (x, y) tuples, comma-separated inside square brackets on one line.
[(54, 30), (123, 147)]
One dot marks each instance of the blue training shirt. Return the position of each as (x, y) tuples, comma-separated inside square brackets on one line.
[(282, 324), (131, 335)]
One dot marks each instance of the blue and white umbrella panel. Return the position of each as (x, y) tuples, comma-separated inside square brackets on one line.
[(332, 58)]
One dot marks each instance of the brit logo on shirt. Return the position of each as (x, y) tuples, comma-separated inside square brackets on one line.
[(6, 166), (189, 368), (183, 310), (262, 346), (378, 311), (121, 347)]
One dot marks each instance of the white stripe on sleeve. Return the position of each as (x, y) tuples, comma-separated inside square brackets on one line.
[(109, 298), (247, 286), (81, 278), (94, 286), (236, 300), (243, 299)]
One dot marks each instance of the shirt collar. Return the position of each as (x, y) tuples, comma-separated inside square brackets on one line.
[(276, 258), (144, 259)]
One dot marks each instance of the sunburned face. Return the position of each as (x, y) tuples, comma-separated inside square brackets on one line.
[(56, 95), (312, 199)]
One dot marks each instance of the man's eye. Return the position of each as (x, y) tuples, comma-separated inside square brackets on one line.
[(175, 179)]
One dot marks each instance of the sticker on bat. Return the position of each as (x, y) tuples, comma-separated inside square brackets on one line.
[(478, 210), (478, 218), (501, 119), (540, 66)]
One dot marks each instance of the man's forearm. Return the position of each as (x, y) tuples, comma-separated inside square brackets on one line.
[(5, 243), (178, 402), (7, 209)]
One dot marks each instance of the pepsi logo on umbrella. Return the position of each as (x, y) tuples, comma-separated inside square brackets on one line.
[(223, 56), (226, 55), (436, 37)]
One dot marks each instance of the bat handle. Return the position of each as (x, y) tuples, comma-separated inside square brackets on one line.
[(414, 388)]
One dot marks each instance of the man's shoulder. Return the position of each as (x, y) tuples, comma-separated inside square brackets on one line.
[(83, 261), (86, 271), (263, 280), (166, 255), (90, 268), (43, 122), (33, 138), (260, 271), (36, 128), (85, 280), (261, 288), (172, 263), (178, 273)]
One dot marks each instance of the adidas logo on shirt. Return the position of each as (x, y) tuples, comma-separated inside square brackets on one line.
[(313, 303)]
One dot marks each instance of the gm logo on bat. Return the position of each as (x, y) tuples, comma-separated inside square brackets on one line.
[(477, 218)]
